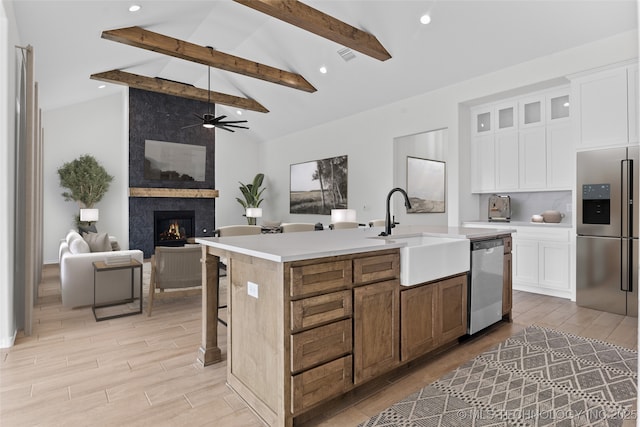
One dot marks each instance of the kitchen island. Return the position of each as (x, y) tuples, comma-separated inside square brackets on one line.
[(313, 315)]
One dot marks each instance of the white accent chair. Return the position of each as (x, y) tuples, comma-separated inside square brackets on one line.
[(176, 268), (237, 230), (289, 227)]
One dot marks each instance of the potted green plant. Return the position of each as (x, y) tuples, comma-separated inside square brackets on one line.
[(252, 194), (86, 180)]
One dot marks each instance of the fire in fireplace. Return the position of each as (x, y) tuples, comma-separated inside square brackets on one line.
[(173, 228)]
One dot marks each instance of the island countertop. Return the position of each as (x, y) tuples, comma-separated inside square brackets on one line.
[(285, 247)]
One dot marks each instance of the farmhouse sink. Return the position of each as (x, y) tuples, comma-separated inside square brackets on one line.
[(427, 258)]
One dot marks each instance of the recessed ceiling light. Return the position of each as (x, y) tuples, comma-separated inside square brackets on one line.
[(239, 112), (425, 19), (323, 69), (134, 8), (102, 86), (566, 104)]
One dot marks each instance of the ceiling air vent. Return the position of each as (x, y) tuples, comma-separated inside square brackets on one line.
[(346, 54)]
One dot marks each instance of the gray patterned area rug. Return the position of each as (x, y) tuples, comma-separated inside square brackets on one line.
[(538, 377)]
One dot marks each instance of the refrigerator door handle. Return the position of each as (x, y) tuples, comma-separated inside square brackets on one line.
[(627, 197), (627, 273), (632, 271)]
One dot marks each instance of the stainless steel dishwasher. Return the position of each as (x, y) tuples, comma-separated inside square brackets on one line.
[(485, 286)]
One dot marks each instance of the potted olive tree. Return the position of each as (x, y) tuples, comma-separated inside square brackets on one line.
[(252, 194), (86, 180)]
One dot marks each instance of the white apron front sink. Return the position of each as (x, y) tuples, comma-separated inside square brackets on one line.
[(427, 258)]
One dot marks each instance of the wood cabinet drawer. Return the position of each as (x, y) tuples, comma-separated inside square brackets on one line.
[(508, 244), (321, 383), (320, 344), (313, 311), (314, 278), (374, 268)]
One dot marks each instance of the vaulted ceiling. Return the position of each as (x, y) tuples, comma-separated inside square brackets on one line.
[(465, 39)]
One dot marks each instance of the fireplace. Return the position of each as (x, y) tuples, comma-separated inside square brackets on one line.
[(173, 228)]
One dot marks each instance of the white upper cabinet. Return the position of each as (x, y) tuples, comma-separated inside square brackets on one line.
[(533, 159), (482, 121), (506, 117), (560, 154), (606, 105), (532, 111), (483, 164), (506, 146), (558, 107), (523, 143)]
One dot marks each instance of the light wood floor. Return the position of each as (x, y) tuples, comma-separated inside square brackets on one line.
[(141, 370)]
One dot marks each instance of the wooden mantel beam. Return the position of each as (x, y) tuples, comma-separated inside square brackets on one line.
[(321, 24), (145, 39), (177, 89)]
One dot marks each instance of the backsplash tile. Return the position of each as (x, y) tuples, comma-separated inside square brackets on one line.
[(524, 205)]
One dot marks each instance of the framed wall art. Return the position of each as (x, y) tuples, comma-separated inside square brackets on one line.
[(318, 186), (426, 185)]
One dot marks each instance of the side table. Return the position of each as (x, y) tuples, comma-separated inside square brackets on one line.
[(101, 266)]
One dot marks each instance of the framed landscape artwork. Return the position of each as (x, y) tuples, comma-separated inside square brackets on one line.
[(426, 185), (318, 186)]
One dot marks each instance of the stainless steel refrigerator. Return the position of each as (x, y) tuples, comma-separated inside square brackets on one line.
[(607, 230)]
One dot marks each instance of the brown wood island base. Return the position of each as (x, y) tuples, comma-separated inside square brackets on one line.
[(209, 351), (302, 333)]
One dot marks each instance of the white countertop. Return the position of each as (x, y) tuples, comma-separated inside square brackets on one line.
[(519, 224), (284, 247)]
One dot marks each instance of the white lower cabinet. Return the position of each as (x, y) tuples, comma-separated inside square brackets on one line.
[(541, 258), (541, 261), (525, 261), (553, 259)]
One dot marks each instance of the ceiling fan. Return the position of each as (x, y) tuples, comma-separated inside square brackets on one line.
[(209, 120)]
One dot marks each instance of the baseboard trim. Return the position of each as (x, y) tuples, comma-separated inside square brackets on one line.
[(7, 342)]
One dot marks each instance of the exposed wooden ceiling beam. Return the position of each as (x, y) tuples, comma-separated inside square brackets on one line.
[(145, 39), (177, 89), (319, 23)]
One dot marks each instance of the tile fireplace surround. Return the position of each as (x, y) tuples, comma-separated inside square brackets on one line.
[(160, 117), (141, 218)]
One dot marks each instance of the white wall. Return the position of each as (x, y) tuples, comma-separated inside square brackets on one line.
[(236, 161), (97, 128), (432, 145), (8, 39), (367, 138)]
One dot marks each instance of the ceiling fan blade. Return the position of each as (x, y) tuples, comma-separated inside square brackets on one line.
[(217, 119), (201, 118), (233, 121), (235, 126), (223, 127), (190, 126)]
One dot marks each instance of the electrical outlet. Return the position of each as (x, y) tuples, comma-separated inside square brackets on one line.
[(569, 207), (252, 289)]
